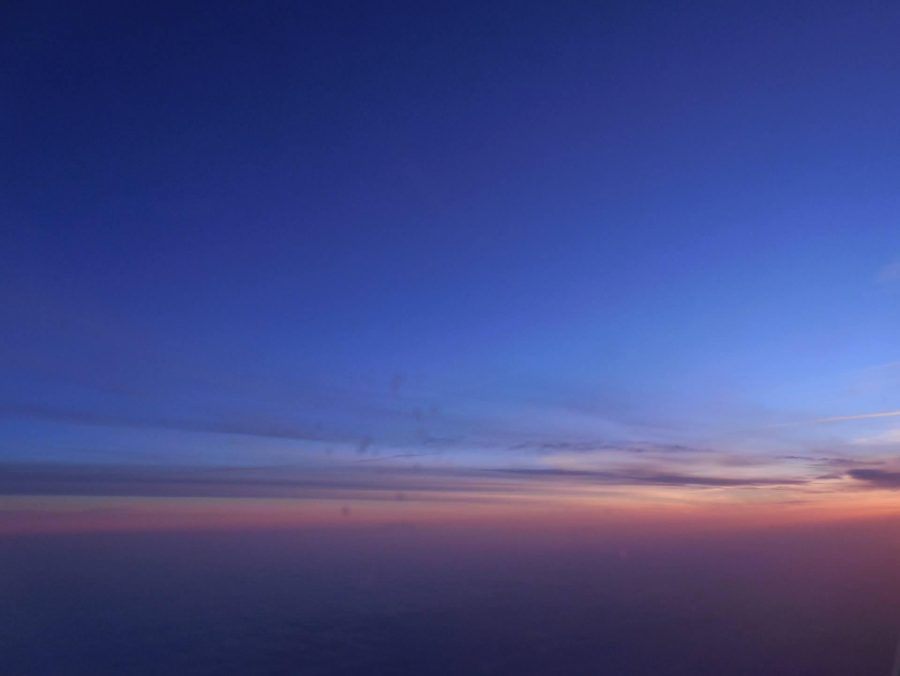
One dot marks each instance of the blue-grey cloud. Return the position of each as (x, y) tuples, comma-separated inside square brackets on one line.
[(646, 478), (360, 480), (876, 478), (250, 426), (591, 446)]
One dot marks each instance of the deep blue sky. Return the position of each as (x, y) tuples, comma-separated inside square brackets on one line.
[(256, 233)]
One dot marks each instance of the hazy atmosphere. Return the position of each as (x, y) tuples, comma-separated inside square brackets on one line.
[(450, 338)]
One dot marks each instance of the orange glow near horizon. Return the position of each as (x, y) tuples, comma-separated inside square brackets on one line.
[(644, 508)]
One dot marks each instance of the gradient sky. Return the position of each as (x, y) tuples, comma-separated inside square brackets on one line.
[(629, 249)]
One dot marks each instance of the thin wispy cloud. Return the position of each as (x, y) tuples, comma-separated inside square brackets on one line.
[(567, 446), (828, 420), (857, 416), (641, 478), (247, 427), (341, 482)]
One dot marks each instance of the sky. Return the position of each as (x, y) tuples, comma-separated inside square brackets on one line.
[(399, 258)]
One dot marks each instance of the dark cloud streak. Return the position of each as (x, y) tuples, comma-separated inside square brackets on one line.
[(646, 478), (876, 478), (334, 481)]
